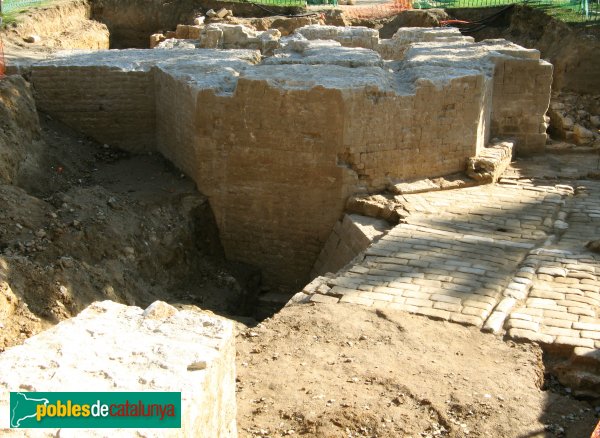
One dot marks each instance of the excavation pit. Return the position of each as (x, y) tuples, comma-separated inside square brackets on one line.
[(279, 144)]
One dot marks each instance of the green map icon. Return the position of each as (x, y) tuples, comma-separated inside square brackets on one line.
[(23, 408)]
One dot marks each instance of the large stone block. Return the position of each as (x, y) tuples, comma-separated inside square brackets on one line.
[(354, 36), (113, 347)]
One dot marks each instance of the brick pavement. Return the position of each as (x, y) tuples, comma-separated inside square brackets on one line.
[(563, 306), (504, 257)]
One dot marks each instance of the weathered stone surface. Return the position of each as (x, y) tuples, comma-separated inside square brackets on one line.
[(327, 299), (112, 347), (490, 162), (553, 271), (506, 305), (495, 322), (582, 135), (396, 47), (530, 335), (285, 25), (377, 207), (177, 44), (33, 39), (222, 13), (466, 319), (357, 299), (309, 52), (578, 342), (234, 36), (159, 310), (156, 39), (355, 36), (585, 355), (442, 48), (445, 259)]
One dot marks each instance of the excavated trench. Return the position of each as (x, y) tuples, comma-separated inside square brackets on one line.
[(131, 23), (114, 24), (178, 249), (130, 28), (82, 221), (102, 24)]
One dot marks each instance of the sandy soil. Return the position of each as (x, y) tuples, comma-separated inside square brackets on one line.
[(348, 371)]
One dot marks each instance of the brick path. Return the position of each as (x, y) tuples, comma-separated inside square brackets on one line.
[(504, 256), (563, 304)]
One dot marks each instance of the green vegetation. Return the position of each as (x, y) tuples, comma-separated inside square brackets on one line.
[(281, 3), (569, 11), (10, 17), (13, 8)]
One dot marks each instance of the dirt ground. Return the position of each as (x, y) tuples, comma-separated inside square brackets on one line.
[(348, 371)]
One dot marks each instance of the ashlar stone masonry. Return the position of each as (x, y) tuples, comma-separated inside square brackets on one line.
[(279, 144)]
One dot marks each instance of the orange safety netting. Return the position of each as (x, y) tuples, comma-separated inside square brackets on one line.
[(2, 62), (378, 10)]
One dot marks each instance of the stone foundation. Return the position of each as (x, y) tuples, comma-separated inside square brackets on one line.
[(279, 145), (112, 347), (491, 163), (350, 236)]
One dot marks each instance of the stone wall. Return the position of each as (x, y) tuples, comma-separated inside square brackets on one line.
[(516, 97), (350, 236), (515, 105), (429, 133), (114, 106), (284, 184), (521, 89), (279, 145), (175, 134), (517, 100), (113, 347), (356, 36)]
